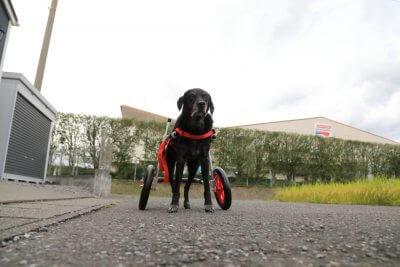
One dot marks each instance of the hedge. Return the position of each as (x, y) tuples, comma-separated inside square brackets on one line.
[(253, 154), (244, 154)]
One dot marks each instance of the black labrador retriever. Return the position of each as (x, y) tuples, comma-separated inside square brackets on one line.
[(191, 146)]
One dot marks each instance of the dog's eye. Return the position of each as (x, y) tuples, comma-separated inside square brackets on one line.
[(191, 96), (205, 96)]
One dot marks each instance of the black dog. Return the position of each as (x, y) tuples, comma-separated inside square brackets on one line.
[(194, 120)]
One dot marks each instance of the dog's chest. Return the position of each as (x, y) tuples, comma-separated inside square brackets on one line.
[(196, 149)]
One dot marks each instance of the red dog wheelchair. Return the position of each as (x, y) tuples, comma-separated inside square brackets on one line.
[(219, 182)]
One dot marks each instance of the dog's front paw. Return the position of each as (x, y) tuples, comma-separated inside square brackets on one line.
[(173, 208), (186, 204), (208, 208)]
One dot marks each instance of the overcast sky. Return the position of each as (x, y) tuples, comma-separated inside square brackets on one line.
[(261, 60)]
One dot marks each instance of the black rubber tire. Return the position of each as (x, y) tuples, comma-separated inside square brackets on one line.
[(227, 201), (148, 180)]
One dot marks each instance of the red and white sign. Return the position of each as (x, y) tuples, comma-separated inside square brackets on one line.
[(323, 130)]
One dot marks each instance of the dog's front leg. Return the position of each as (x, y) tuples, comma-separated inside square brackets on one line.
[(192, 165), (205, 168), (173, 207)]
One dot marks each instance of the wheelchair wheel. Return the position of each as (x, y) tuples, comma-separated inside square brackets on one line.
[(148, 180), (223, 192)]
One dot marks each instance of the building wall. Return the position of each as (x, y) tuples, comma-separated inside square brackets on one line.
[(307, 127), (134, 113)]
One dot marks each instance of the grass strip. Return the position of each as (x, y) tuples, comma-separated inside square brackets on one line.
[(379, 191)]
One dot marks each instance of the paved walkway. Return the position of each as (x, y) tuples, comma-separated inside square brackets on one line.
[(28, 207), (250, 233)]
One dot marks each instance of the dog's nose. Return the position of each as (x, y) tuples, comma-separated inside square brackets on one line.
[(201, 104)]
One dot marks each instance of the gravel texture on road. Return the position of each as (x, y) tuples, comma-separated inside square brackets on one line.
[(251, 233)]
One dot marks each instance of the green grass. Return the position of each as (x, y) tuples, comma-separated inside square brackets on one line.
[(380, 191), (128, 187), (125, 187)]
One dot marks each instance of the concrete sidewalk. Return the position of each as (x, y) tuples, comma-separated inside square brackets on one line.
[(28, 207), (12, 192)]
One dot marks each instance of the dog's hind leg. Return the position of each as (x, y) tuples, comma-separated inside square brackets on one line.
[(192, 168)]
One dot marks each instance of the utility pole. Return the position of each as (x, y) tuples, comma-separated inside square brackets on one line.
[(45, 45)]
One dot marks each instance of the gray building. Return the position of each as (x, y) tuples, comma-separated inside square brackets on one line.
[(26, 120)]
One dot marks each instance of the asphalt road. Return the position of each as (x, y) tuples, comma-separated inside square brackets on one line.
[(251, 233)]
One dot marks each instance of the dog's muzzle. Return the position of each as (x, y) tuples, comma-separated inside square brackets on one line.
[(199, 110)]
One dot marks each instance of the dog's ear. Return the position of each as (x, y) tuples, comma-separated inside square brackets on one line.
[(180, 103), (211, 106)]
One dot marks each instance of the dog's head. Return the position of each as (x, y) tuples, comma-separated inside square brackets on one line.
[(196, 103)]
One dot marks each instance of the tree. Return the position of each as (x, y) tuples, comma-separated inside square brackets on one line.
[(54, 141), (124, 139), (292, 148), (234, 150), (93, 126), (150, 134), (71, 136)]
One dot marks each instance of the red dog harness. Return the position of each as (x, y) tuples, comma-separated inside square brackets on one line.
[(194, 137), (162, 151)]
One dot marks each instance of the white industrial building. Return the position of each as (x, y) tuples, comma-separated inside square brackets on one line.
[(320, 126)]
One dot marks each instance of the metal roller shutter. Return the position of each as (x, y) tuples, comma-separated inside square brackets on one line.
[(27, 150)]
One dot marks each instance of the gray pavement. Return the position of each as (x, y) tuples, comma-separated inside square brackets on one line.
[(251, 233), (28, 207)]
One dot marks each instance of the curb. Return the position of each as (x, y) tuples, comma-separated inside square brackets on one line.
[(5, 202)]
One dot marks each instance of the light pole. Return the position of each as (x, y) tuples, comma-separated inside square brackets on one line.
[(45, 45)]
